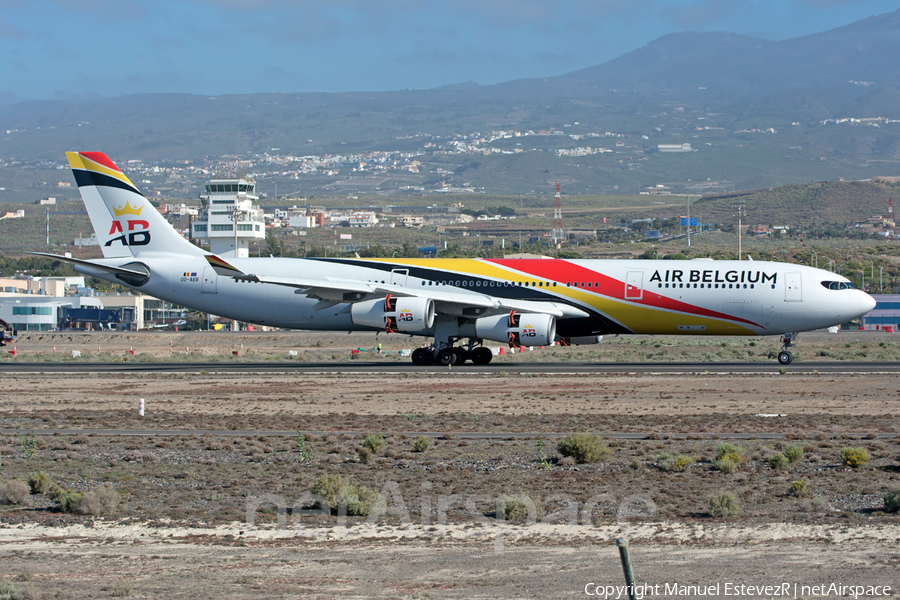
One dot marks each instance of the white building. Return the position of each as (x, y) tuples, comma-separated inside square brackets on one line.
[(228, 203), (302, 221), (363, 219), (674, 148)]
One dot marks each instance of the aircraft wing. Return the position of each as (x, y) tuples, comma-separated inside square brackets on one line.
[(449, 302)]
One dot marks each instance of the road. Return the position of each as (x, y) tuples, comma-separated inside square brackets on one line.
[(360, 367)]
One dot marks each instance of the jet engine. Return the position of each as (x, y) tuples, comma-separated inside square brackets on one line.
[(407, 313), (526, 329)]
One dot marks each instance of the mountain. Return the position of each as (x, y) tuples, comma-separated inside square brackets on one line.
[(733, 69), (716, 90)]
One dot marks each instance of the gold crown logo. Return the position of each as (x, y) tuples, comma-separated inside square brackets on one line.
[(128, 210)]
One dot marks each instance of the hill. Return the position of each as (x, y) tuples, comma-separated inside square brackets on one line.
[(757, 114)]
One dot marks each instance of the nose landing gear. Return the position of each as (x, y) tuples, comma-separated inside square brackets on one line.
[(786, 357)]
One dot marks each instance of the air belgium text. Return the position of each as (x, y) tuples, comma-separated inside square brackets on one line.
[(713, 276)]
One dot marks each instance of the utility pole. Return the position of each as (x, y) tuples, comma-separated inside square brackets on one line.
[(689, 222), (739, 207)]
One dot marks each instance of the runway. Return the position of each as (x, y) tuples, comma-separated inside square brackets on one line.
[(536, 368), (461, 435)]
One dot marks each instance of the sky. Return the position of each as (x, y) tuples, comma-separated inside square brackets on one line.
[(53, 49)]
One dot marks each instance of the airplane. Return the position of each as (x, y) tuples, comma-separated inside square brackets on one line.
[(458, 303)]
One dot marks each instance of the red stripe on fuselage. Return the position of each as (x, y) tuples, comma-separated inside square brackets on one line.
[(563, 271)]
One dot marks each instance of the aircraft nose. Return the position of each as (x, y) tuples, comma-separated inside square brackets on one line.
[(866, 303)]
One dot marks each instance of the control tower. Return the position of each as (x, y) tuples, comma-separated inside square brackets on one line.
[(229, 219)]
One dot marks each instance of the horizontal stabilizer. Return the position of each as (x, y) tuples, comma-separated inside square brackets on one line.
[(94, 265)]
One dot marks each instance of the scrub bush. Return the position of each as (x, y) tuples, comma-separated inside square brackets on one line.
[(854, 457), (39, 482), (584, 448), (723, 504), (421, 443), (374, 442), (800, 489), (892, 501), (778, 461), (793, 453), (14, 492), (338, 491)]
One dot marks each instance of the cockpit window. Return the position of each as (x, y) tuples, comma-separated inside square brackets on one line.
[(837, 285)]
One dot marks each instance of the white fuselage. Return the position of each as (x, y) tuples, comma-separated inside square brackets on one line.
[(695, 297)]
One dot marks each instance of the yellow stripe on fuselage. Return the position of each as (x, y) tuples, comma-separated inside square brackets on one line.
[(638, 318)]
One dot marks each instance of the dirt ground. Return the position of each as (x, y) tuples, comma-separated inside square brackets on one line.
[(337, 347), (211, 515)]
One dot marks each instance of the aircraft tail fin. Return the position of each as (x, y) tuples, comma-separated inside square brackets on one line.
[(123, 219)]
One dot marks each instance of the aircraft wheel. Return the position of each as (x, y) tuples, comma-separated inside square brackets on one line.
[(422, 357), (785, 357), (481, 356), (447, 356), (462, 355)]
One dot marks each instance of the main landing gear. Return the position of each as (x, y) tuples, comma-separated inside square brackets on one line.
[(785, 357), (452, 355)]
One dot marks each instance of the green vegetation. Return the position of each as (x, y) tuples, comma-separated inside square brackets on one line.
[(892, 501), (728, 457), (584, 448), (304, 448), (793, 453), (854, 458), (800, 489), (374, 442), (778, 461), (515, 508), (723, 504), (9, 591), (28, 444), (339, 492), (66, 500), (39, 482), (678, 464), (421, 443)]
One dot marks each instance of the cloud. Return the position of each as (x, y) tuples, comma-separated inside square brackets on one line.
[(11, 32), (440, 57), (113, 10), (553, 58), (702, 14), (828, 3)]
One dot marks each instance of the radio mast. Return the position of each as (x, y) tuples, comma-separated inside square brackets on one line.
[(557, 233)]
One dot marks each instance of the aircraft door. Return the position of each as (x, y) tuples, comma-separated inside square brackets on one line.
[(208, 282), (792, 291), (398, 276), (634, 285)]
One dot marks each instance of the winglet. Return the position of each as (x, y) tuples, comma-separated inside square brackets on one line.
[(223, 268)]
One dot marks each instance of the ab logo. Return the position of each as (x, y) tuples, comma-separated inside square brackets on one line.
[(137, 228)]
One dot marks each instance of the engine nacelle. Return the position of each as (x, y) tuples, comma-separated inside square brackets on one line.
[(394, 314), (518, 329)]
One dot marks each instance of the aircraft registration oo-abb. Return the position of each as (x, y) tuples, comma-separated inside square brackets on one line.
[(459, 303)]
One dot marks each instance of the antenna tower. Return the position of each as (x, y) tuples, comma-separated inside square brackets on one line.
[(557, 233), (891, 217)]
